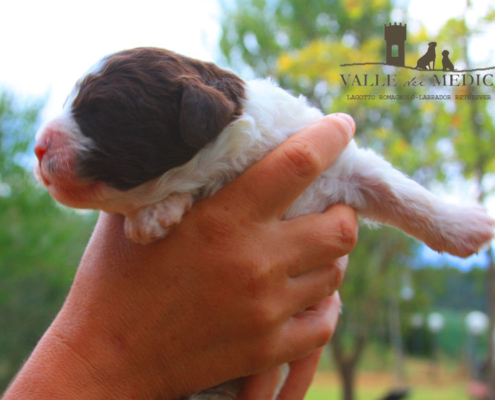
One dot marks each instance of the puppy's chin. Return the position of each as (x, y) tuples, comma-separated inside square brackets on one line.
[(68, 189)]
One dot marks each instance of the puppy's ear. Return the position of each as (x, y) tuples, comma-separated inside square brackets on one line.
[(204, 113)]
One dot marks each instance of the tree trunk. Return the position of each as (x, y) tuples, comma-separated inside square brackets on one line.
[(348, 360), (347, 373), (347, 363)]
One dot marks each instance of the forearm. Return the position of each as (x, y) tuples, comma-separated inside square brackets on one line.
[(54, 371), (83, 355)]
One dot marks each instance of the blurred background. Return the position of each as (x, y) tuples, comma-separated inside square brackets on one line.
[(412, 319)]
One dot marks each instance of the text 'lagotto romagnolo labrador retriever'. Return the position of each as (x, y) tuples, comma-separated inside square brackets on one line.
[(148, 132)]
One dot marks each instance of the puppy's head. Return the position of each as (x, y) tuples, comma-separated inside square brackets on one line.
[(445, 53), (140, 113)]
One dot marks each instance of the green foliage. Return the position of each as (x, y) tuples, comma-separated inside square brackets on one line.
[(302, 45), (257, 32), (40, 242)]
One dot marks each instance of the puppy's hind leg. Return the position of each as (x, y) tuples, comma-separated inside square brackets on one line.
[(381, 193)]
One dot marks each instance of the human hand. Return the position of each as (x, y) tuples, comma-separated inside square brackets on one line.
[(264, 386), (229, 293)]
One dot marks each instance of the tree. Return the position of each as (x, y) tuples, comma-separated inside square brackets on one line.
[(302, 45)]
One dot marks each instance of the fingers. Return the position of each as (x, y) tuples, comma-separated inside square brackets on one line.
[(311, 329), (265, 385), (300, 377), (318, 239), (318, 284), (276, 181)]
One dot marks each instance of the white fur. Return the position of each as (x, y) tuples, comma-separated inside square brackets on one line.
[(359, 178)]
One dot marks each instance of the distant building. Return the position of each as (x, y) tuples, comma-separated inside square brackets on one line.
[(395, 37)]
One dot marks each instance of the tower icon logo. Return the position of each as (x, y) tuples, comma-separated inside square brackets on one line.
[(395, 39)]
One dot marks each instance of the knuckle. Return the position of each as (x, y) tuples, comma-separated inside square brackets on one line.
[(337, 278), (334, 274), (303, 158), (347, 233), (259, 283), (325, 236), (255, 278), (324, 335), (337, 234), (265, 316)]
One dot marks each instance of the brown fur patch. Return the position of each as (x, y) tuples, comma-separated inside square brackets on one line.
[(149, 110)]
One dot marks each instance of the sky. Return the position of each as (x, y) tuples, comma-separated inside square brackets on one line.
[(47, 45)]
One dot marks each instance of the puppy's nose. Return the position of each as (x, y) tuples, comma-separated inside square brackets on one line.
[(40, 150)]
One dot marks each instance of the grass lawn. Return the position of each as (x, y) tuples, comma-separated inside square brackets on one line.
[(425, 384), (320, 391)]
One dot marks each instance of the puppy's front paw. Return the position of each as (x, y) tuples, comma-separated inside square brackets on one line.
[(154, 222), (464, 230)]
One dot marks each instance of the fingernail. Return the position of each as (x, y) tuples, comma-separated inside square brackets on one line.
[(348, 119)]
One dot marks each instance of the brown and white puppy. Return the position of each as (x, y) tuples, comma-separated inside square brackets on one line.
[(147, 132)]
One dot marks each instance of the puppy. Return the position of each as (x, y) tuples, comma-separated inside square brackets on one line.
[(148, 132), (429, 57), (446, 63)]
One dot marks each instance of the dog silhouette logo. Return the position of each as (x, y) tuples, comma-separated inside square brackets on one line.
[(426, 61), (446, 63)]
